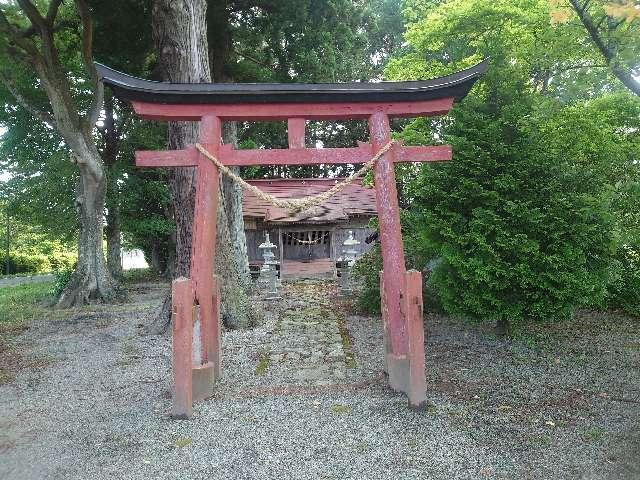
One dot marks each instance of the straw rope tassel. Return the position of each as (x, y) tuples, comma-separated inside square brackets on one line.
[(295, 204)]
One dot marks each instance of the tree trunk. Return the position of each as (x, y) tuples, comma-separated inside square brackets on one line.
[(110, 158), (235, 221), (114, 243), (180, 35), (91, 280)]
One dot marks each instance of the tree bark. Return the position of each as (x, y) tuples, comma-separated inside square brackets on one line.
[(91, 280), (110, 157), (180, 35), (114, 242)]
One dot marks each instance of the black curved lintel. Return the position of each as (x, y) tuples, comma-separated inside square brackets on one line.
[(130, 88)]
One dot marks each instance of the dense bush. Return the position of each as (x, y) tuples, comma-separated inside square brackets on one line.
[(63, 276), (624, 287), (513, 231), (366, 274), (523, 235)]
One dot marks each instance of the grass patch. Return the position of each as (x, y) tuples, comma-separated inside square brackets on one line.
[(182, 442), (263, 363), (21, 303), (18, 305), (594, 434), (340, 409)]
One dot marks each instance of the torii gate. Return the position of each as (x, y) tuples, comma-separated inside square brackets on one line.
[(211, 104)]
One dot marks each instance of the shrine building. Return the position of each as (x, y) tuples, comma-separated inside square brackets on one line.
[(308, 242)]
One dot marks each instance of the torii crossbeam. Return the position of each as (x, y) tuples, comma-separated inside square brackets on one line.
[(212, 104)]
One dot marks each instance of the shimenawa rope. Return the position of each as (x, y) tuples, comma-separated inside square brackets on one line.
[(295, 204), (307, 242)]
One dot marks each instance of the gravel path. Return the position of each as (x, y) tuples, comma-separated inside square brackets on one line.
[(565, 407), (13, 281)]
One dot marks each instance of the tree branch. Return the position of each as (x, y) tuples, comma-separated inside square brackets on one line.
[(250, 58), (61, 25), (578, 67), (609, 54), (87, 57), (17, 39), (24, 103), (33, 15), (52, 13)]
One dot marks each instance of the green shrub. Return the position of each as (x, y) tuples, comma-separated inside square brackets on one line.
[(31, 263), (418, 256), (623, 290), (63, 261), (25, 263), (524, 234), (366, 272), (62, 278)]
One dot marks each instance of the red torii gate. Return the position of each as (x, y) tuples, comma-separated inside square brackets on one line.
[(212, 104)]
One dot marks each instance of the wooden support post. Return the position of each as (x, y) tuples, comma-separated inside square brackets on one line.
[(413, 310), (295, 132), (396, 366), (390, 236), (182, 325), (204, 238), (209, 372), (384, 315)]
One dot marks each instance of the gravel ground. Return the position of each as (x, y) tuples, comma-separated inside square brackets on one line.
[(564, 404), (20, 280)]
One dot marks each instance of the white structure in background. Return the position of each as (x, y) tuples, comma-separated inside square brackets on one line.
[(349, 255), (133, 259)]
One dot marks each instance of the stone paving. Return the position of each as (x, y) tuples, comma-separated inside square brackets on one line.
[(306, 342)]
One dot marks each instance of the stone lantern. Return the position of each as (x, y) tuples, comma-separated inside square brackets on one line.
[(349, 255), (268, 272)]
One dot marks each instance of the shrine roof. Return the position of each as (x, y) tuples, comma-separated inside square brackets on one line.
[(354, 200), (130, 88)]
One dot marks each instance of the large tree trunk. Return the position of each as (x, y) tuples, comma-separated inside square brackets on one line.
[(114, 241), (91, 280), (232, 194), (180, 35), (110, 158)]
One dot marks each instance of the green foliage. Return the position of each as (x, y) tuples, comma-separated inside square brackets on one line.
[(624, 286), (21, 263), (36, 262), (62, 278), (32, 249), (366, 272), (524, 223), (514, 249)]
